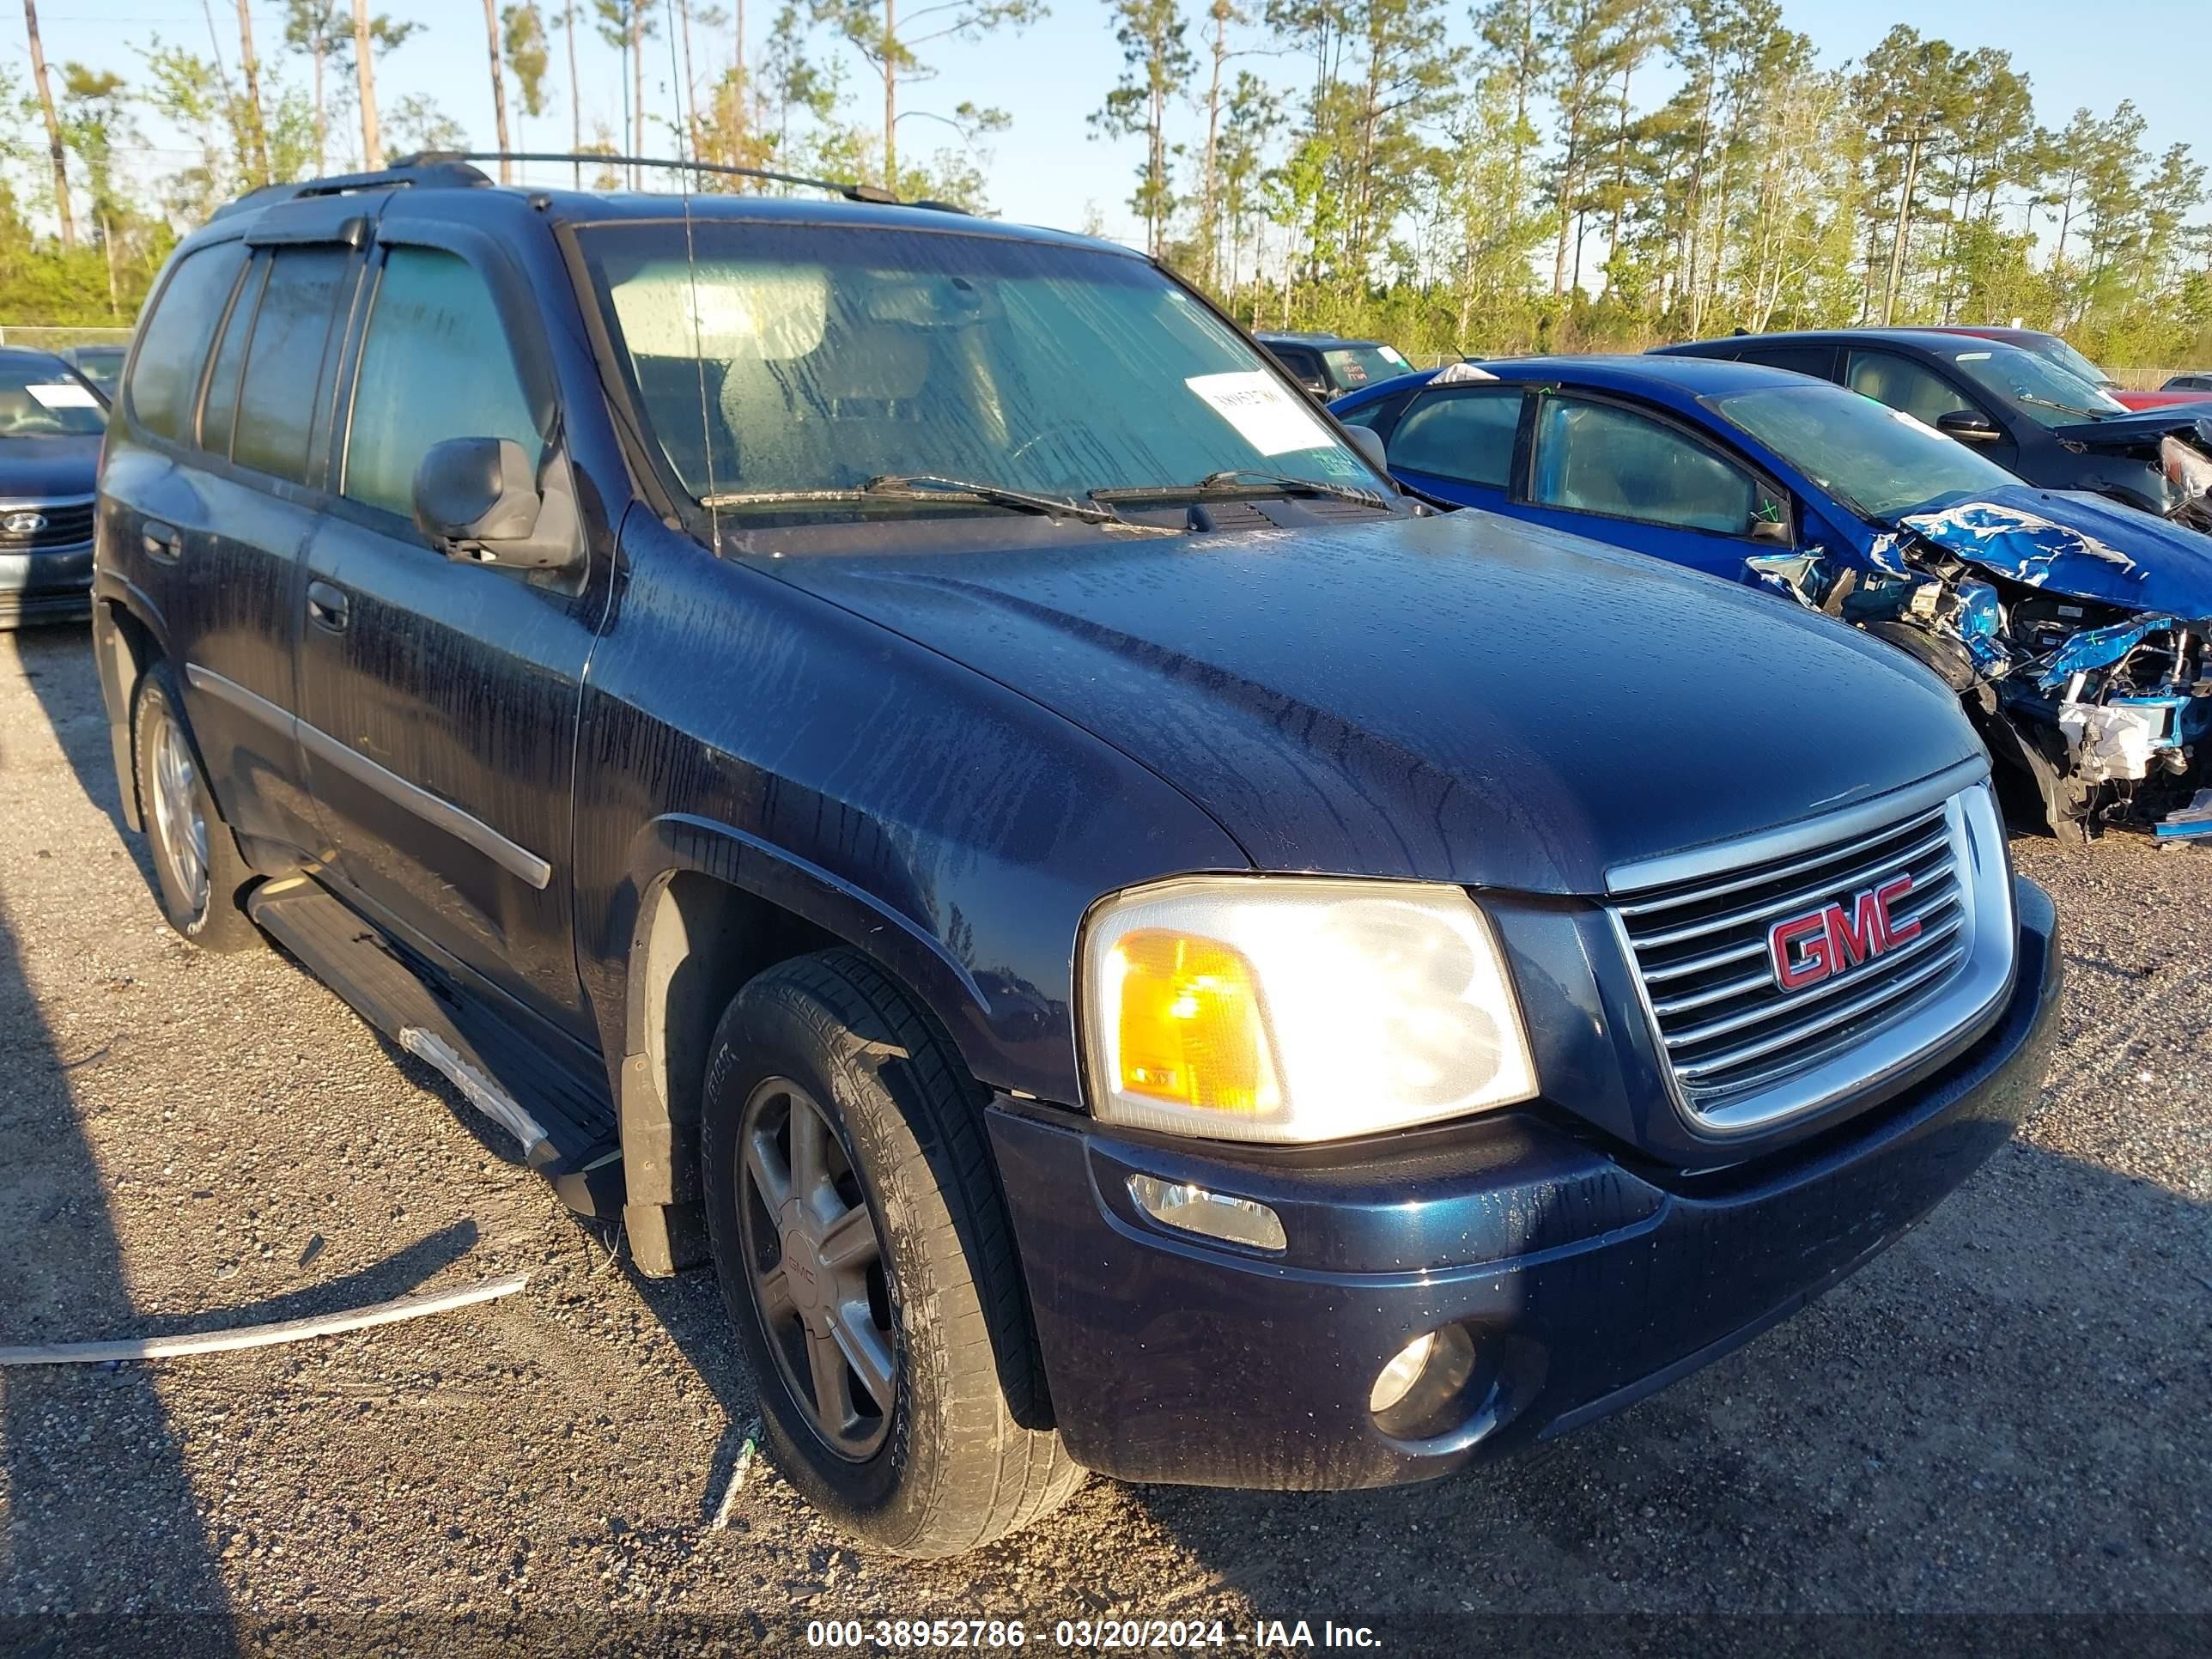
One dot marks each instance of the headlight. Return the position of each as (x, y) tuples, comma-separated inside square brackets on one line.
[(1293, 1008)]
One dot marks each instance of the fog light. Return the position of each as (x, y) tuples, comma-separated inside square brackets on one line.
[(1191, 1209), (1399, 1377)]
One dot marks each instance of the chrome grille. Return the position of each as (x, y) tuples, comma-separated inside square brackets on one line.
[(1740, 1050), (68, 523)]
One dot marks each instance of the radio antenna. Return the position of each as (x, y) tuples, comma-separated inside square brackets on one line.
[(687, 108)]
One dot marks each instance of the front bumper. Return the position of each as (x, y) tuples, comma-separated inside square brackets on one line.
[(1585, 1282), (46, 586)]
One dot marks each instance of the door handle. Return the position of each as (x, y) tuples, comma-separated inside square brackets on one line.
[(160, 540), (327, 607)]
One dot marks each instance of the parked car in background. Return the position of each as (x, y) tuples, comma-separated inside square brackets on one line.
[(1327, 365), (898, 753), (2073, 628), (2024, 412), (2053, 349), (2197, 383), (51, 422), (102, 365)]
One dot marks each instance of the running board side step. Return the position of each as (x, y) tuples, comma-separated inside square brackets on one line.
[(567, 1131)]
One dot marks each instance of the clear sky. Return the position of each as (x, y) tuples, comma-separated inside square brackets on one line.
[(1047, 169)]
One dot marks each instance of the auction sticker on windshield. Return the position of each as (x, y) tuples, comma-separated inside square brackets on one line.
[(62, 395), (1265, 416)]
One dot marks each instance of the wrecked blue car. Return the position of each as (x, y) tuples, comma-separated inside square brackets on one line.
[(2072, 627)]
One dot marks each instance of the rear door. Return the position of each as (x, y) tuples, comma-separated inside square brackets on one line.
[(438, 699), (217, 534), (1634, 477)]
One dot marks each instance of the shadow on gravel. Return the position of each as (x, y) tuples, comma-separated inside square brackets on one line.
[(2003, 1412), (58, 665), (78, 1443)]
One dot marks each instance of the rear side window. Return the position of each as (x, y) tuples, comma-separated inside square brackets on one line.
[(1466, 437), (172, 345), (435, 365), (1595, 458), (283, 364), (220, 405), (1818, 361)]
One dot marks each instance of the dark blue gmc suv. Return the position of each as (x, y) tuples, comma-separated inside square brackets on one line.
[(901, 756)]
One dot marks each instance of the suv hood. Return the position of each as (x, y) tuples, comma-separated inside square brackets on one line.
[(43, 468), (2081, 545), (2139, 433), (1460, 698)]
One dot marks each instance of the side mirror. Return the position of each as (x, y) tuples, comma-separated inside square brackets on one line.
[(1315, 388), (477, 500), (1969, 426), (1369, 442), (1773, 530)]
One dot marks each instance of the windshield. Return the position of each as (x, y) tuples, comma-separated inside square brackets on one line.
[(43, 399), (1352, 366), (101, 365), (2036, 386), (793, 360), (2057, 351), (1879, 462)]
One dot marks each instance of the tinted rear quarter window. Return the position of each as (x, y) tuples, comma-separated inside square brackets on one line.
[(174, 343), (283, 364), (1818, 360)]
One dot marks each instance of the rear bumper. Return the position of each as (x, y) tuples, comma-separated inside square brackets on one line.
[(46, 586), (1584, 1283)]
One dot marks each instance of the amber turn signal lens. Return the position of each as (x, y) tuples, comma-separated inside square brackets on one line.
[(1190, 1027)]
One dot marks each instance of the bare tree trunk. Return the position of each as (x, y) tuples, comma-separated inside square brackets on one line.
[(253, 93), (575, 97), (498, 89), (107, 247), (1209, 211), (53, 125), (322, 125), (636, 88), (364, 70), (890, 95), (1903, 228)]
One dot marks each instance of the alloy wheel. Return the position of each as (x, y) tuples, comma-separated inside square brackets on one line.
[(180, 828), (815, 1256)]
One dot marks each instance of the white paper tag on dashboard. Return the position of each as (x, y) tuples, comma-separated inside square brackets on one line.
[(1266, 416), (60, 394)]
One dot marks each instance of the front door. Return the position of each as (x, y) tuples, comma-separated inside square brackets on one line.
[(1631, 477), (438, 699)]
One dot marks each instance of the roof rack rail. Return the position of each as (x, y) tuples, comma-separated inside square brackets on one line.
[(449, 172), (851, 193)]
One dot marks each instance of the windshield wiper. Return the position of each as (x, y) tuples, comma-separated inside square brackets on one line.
[(895, 487), (1231, 480), (2063, 409)]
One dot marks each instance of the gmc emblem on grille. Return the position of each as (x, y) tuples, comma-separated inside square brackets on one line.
[(24, 523), (1821, 943)]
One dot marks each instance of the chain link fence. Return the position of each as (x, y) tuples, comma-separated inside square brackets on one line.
[(52, 339)]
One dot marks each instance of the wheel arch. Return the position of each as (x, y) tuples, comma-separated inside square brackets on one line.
[(715, 907)]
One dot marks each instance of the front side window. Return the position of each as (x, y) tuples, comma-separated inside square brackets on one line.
[(284, 363), (1599, 458), (1877, 462), (1465, 436), (790, 364), (1905, 384), (174, 347), (40, 397), (435, 365)]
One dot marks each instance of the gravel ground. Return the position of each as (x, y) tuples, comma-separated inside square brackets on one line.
[(2007, 1413)]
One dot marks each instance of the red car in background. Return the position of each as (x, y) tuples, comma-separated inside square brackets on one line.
[(2050, 346)]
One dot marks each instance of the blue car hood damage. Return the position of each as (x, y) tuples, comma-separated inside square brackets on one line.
[(1460, 698), (2080, 545)]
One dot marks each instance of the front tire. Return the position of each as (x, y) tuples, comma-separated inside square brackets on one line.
[(199, 879), (865, 1255)]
